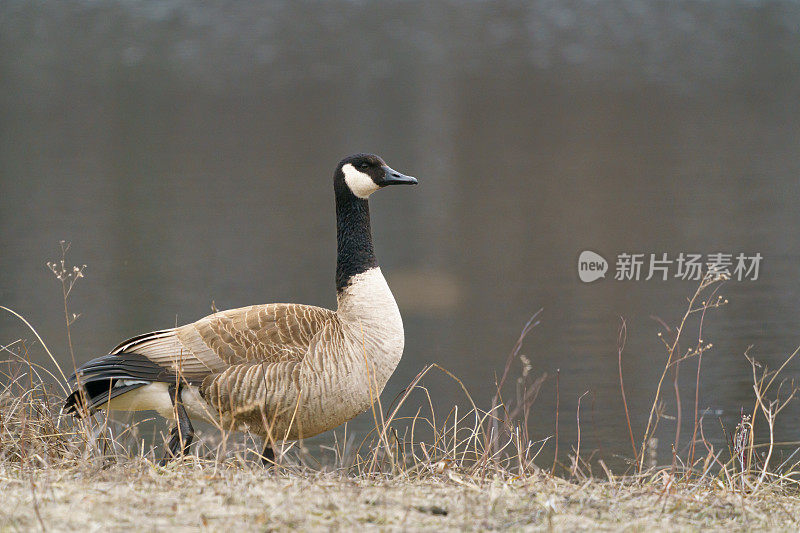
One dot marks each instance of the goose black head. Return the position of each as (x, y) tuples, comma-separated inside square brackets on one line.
[(363, 174)]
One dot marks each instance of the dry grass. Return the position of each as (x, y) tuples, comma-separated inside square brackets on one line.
[(204, 496), (469, 469)]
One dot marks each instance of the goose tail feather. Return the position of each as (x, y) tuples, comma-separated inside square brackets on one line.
[(100, 380)]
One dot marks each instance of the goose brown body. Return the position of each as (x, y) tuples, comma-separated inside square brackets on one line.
[(286, 370)]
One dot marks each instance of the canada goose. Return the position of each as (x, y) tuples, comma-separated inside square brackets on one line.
[(283, 371)]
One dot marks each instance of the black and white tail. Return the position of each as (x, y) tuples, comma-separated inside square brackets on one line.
[(102, 379)]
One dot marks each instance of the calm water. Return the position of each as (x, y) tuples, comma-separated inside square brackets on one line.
[(186, 152)]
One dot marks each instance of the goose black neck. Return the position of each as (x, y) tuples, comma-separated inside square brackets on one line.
[(353, 238)]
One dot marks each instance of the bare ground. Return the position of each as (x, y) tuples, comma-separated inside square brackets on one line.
[(191, 496)]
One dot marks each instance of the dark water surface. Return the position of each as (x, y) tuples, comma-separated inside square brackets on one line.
[(186, 151)]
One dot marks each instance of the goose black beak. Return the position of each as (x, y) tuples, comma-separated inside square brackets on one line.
[(393, 177)]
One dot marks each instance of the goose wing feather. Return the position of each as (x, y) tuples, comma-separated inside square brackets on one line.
[(248, 390), (259, 334)]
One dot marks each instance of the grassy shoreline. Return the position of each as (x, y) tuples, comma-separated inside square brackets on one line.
[(473, 469)]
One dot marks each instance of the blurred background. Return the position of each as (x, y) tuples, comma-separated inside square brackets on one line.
[(186, 150)]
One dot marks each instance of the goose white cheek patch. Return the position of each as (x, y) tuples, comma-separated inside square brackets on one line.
[(361, 184)]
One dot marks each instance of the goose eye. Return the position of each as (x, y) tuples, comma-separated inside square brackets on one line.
[(364, 166)]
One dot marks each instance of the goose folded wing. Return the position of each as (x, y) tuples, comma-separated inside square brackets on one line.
[(262, 371), (271, 333)]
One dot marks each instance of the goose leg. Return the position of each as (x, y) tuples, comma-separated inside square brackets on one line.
[(268, 455), (182, 433)]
